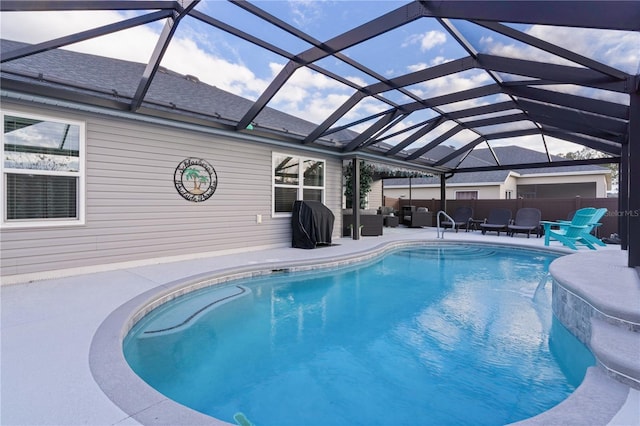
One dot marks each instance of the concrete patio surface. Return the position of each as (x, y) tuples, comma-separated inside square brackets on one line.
[(48, 328)]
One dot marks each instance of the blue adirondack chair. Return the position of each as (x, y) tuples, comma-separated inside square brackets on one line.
[(575, 232), (594, 223)]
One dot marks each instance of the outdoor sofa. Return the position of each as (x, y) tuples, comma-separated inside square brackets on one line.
[(370, 221)]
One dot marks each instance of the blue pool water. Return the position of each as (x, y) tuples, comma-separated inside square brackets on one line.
[(433, 335)]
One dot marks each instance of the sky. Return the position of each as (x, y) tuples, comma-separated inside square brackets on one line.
[(229, 63)]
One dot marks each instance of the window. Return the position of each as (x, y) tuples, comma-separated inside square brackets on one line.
[(42, 171), (296, 178), (466, 195)]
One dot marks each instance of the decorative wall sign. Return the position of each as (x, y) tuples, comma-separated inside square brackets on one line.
[(195, 179)]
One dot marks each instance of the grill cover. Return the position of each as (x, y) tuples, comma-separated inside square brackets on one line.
[(311, 223)]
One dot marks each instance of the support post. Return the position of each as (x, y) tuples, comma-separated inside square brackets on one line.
[(633, 192), (355, 200), (410, 195), (623, 197), (443, 193)]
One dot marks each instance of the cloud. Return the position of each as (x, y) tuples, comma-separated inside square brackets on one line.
[(618, 49), (309, 95), (423, 65), (305, 11), (426, 41), (451, 83), (30, 27)]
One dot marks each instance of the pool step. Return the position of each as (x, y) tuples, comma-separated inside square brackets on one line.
[(189, 307), (618, 350)]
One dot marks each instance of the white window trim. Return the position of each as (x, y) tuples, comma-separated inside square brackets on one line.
[(39, 223), (300, 186)]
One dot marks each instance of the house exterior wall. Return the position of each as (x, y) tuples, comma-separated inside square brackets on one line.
[(134, 212), (495, 191), (510, 186), (375, 195), (600, 181)]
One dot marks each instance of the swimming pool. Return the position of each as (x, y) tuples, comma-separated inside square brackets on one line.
[(435, 335)]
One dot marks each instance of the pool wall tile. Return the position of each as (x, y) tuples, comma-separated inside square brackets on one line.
[(578, 315)]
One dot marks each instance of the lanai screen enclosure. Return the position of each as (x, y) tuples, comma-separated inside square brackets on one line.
[(529, 72)]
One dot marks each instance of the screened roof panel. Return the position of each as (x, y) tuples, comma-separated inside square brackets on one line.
[(48, 25), (589, 92), (405, 128), (451, 84), (475, 102), (310, 95), (397, 97), (346, 71), (458, 143), (619, 49), (562, 147), (220, 64), (506, 127), (418, 44), (435, 133), (486, 41), (490, 115), (367, 110), (240, 19), (312, 17), (510, 78)]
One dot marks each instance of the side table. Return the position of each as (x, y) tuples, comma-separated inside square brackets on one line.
[(391, 221), (472, 225)]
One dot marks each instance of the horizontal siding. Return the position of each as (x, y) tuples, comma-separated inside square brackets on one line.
[(133, 211)]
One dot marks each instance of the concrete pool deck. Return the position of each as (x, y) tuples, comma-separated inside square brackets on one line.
[(49, 326)]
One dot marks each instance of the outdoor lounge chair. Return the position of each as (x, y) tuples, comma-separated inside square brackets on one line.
[(497, 221), (527, 220), (575, 232), (461, 218)]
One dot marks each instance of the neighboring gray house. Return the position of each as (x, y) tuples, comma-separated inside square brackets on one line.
[(548, 182), (90, 187)]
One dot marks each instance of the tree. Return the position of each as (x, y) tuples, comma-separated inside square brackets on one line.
[(366, 179), (587, 153)]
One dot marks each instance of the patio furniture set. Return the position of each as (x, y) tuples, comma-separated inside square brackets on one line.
[(579, 228)]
